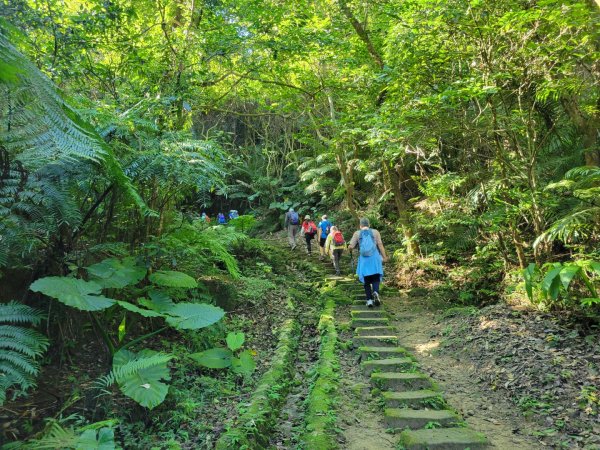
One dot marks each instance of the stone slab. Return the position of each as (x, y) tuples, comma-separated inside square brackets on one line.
[(443, 439), (387, 365), (381, 330), (423, 397), (419, 418), (355, 323), (376, 341), (370, 352), (409, 381)]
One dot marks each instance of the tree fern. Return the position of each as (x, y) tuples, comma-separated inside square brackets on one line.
[(19, 347), (582, 185), (39, 127)]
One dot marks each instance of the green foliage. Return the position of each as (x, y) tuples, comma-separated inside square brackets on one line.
[(243, 223), (221, 358), (191, 316), (20, 347), (95, 436), (140, 376), (80, 294), (555, 280), (171, 278), (214, 358), (116, 273), (235, 340)]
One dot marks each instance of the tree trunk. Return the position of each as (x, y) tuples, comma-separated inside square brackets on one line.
[(402, 207)]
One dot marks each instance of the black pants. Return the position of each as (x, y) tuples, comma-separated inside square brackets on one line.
[(372, 285), (308, 237), (337, 254)]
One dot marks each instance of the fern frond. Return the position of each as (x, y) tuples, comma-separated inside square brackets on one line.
[(16, 312), (131, 368), (19, 347), (573, 227)]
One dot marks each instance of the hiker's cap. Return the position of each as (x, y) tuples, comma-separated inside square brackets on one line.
[(324, 217), (307, 217), (291, 209)]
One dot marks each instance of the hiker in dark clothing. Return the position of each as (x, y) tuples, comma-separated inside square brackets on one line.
[(292, 222)]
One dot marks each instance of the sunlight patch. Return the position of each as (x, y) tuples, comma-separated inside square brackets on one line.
[(427, 347)]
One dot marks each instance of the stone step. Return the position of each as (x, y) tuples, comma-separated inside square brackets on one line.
[(361, 306), (391, 381), (374, 331), (374, 313), (376, 341), (387, 365), (355, 323), (370, 352), (442, 439), (424, 397), (419, 418)]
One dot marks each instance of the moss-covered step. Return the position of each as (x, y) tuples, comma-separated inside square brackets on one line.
[(387, 365), (419, 418), (376, 341), (355, 323), (368, 314), (381, 330), (360, 305), (420, 398), (392, 381), (442, 439), (370, 352)]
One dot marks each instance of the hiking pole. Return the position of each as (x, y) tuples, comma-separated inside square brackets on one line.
[(351, 260)]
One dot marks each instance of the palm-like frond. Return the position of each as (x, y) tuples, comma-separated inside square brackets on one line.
[(38, 127), (19, 347)]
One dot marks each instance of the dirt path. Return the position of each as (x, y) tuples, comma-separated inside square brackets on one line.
[(484, 410)]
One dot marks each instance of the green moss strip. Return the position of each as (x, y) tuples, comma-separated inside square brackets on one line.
[(320, 414), (255, 425)]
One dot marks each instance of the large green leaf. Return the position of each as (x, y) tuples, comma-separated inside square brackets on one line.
[(117, 273), (171, 278), (136, 309), (215, 358), (191, 316), (73, 292), (88, 440), (245, 364), (159, 301), (140, 376), (567, 274), (235, 340), (551, 282)]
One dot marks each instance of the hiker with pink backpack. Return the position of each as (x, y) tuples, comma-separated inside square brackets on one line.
[(335, 246)]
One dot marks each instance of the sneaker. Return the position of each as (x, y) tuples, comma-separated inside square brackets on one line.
[(321, 258), (370, 303), (294, 247), (376, 298)]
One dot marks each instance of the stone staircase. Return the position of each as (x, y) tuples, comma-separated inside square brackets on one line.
[(413, 402)]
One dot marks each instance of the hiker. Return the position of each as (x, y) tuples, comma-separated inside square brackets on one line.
[(334, 246), (221, 219), (203, 217), (323, 231), (292, 220), (309, 230), (233, 214), (371, 255)]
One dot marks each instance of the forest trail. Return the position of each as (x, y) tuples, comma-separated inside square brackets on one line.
[(390, 381)]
